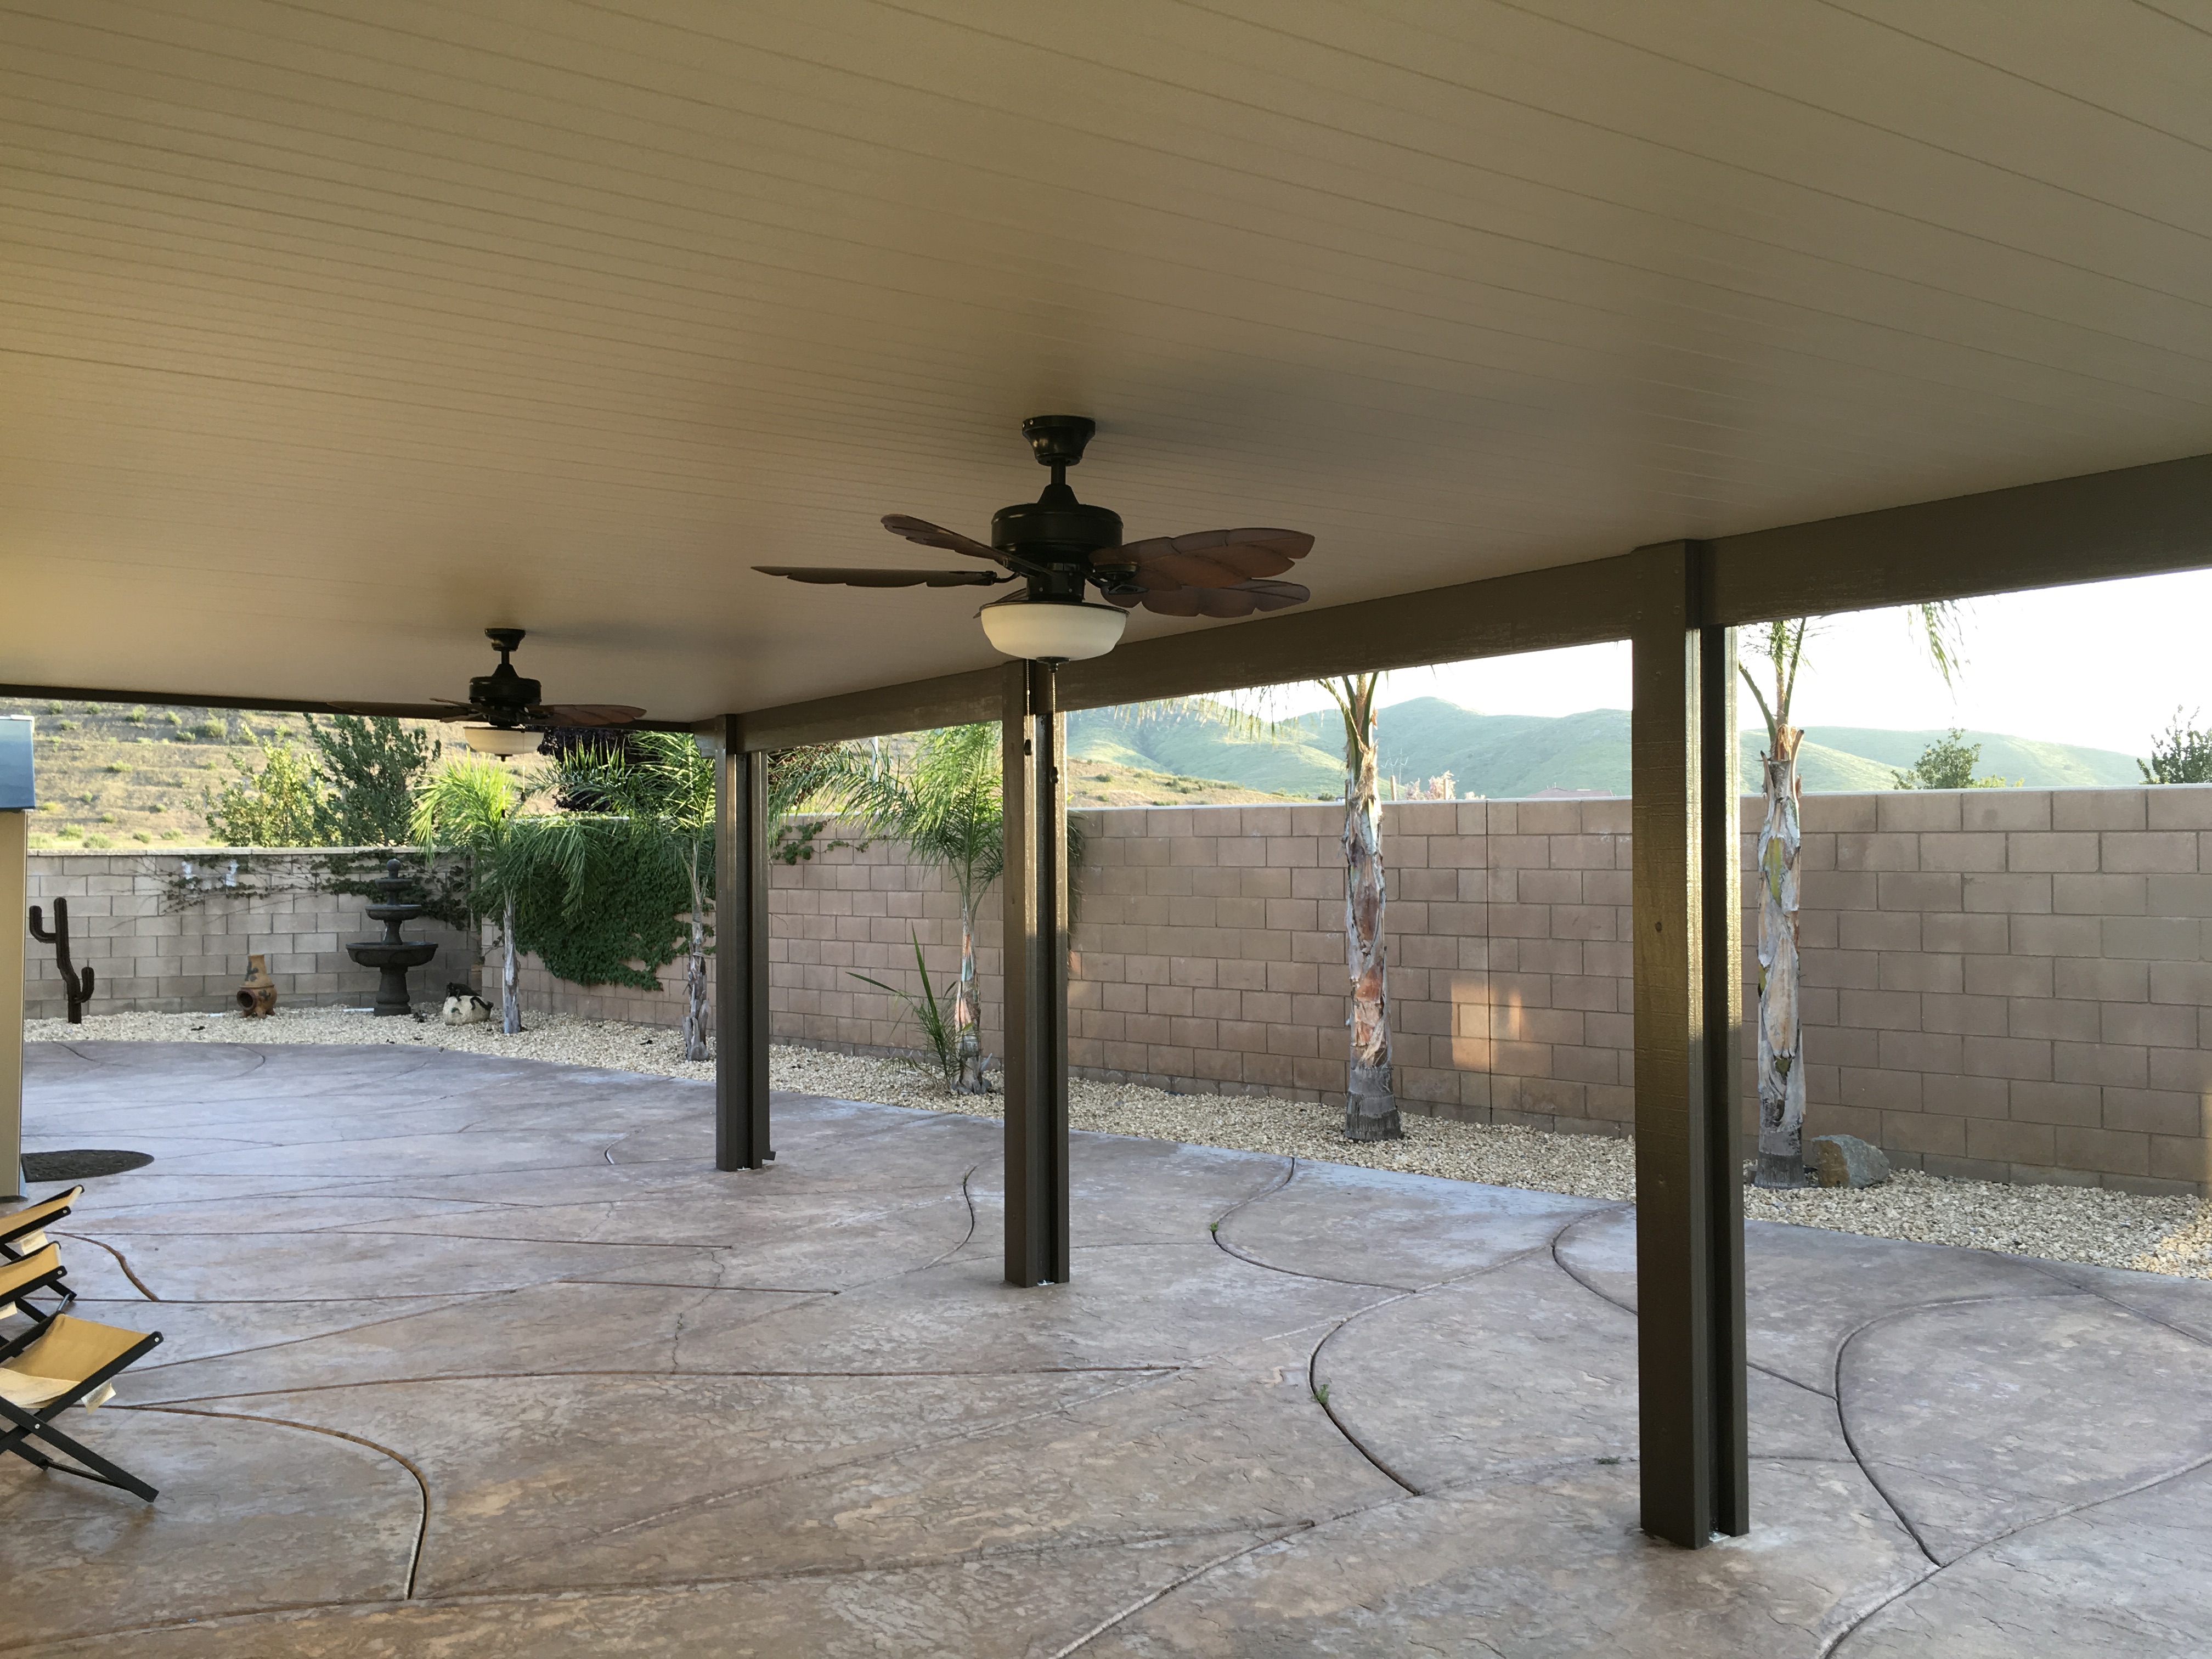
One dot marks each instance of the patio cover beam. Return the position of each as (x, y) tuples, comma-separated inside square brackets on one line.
[(2139, 521)]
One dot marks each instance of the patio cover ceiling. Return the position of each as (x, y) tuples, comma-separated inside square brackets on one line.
[(331, 334)]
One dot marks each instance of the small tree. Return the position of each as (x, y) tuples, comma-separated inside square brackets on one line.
[(475, 807), (1947, 763), (371, 767), (944, 801), (2184, 755), (275, 806)]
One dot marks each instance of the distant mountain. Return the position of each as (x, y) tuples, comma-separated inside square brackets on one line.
[(1509, 755)]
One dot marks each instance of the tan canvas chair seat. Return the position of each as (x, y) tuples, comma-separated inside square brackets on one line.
[(40, 1270), (25, 1390), (65, 1362), (23, 1230), (23, 1234)]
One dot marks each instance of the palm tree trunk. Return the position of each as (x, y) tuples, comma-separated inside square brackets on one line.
[(698, 1021), (965, 1007), (1370, 1107), (510, 985), (1781, 1018)]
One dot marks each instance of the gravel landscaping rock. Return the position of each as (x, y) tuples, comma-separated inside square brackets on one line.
[(2093, 1225)]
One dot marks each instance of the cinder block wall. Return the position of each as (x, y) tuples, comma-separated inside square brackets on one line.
[(2009, 983), (1999, 983), (147, 956)]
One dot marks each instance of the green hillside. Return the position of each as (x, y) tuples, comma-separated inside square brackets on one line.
[(2018, 760), (1509, 755), (1173, 741)]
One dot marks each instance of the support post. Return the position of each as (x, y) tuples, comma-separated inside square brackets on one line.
[(1036, 972), (15, 895), (1685, 782), (19, 798), (741, 925)]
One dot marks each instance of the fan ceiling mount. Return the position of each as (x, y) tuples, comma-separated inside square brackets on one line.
[(505, 708), (504, 699), (1057, 545)]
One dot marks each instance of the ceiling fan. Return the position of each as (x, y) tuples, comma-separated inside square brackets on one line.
[(511, 709), (1057, 545)]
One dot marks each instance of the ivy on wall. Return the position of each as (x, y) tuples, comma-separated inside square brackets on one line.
[(626, 923)]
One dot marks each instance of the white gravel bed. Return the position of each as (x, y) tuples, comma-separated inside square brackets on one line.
[(2172, 1235)]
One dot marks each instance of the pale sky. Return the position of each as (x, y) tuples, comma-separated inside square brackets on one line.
[(2104, 665)]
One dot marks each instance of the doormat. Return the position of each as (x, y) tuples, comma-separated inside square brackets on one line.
[(81, 1164)]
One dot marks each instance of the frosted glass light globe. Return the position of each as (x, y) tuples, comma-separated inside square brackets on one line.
[(500, 740), (1052, 631)]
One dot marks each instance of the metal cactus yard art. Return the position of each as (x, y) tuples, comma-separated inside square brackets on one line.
[(76, 982)]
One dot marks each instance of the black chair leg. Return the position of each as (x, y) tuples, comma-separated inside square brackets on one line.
[(96, 1467)]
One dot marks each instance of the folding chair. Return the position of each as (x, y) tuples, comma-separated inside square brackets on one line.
[(24, 1231), (66, 1362), (40, 1270)]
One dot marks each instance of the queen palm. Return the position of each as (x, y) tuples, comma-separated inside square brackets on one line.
[(1370, 1106), (475, 807), (1781, 1073), (943, 799)]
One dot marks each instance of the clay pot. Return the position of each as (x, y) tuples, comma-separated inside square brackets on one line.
[(257, 992)]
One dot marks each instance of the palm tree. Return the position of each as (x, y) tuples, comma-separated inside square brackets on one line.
[(1781, 1016), (475, 808), (1370, 1106), (1370, 1109), (943, 799)]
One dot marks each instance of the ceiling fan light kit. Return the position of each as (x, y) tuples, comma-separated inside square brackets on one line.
[(1051, 630), (1056, 545), (500, 740)]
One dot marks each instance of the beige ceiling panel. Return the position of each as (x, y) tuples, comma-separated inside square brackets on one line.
[(333, 334)]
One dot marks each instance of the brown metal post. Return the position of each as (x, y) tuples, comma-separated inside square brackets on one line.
[(741, 928), (1688, 964), (1036, 972)]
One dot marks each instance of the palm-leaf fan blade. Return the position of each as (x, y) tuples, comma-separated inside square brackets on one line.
[(855, 576), (936, 535), (585, 714), (1210, 558), (1241, 600)]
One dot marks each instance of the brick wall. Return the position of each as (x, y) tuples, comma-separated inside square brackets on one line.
[(145, 954)]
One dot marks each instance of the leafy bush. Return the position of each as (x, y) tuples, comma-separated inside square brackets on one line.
[(2182, 755), (1947, 763), (273, 807)]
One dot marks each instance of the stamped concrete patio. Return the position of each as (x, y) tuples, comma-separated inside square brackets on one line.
[(469, 1356)]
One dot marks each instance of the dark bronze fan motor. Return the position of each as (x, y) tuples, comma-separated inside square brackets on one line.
[(1058, 544), (504, 699)]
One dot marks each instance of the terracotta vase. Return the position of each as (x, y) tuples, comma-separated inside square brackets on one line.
[(256, 993)]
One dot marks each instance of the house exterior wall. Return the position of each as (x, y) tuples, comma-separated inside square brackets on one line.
[(147, 954), (2007, 984)]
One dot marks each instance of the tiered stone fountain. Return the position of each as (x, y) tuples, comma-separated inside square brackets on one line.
[(392, 955)]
